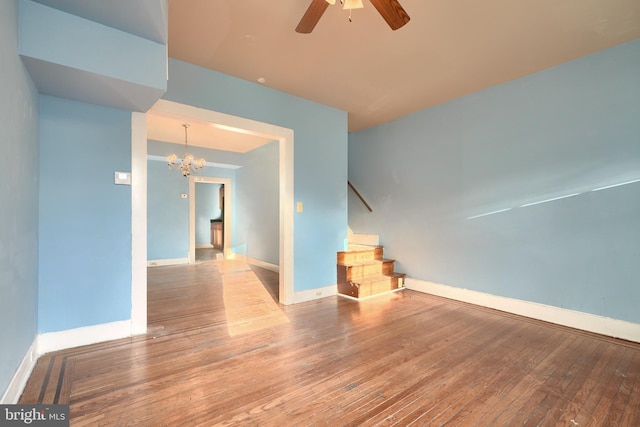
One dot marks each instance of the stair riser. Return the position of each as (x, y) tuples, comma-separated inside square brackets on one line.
[(357, 272), (346, 288), (388, 267), (370, 288), (359, 256)]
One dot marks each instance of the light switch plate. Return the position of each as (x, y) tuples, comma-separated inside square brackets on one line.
[(123, 178)]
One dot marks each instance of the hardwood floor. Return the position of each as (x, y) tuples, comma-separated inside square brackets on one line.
[(207, 254), (221, 351)]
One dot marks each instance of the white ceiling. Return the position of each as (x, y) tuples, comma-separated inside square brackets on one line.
[(166, 127), (450, 48)]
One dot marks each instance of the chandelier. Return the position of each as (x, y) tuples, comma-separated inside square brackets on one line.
[(188, 165)]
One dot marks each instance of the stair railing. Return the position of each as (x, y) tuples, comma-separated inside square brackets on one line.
[(359, 196)]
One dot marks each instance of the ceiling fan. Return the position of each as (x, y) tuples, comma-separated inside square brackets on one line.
[(390, 10)]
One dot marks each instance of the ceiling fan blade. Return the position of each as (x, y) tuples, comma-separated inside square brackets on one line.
[(312, 16), (392, 12)]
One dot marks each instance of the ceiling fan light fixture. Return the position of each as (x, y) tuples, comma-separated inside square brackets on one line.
[(390, 10), (353, 4)]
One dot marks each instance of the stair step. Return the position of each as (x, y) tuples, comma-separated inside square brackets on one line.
[(361, 247), (372, 285), (352, 272), (363, 272), (359, 254)]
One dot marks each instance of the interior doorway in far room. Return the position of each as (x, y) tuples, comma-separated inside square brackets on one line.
[(209, 218)]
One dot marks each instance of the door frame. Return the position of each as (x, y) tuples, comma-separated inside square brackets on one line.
[(226, 223), (284, 136)]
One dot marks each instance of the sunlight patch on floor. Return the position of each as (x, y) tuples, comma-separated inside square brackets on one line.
[(248, 305)]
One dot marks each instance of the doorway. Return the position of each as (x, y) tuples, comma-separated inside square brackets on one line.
[(225, 214), (285, 138)]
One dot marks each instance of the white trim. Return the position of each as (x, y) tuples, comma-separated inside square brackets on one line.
[(285, 137), (138, 223), (286, 250), (168, 261), (19, 381), (204, 246), (256, 262), (391, 291), (561, 316), (227, 224), (313, 294), (53, 341), (192, 221)]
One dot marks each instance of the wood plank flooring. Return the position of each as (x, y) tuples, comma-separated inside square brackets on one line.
[(221, 351)]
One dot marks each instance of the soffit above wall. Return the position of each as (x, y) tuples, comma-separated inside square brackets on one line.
[(142, 18), (70, 56)]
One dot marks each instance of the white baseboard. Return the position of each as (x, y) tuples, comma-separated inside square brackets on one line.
[(560, 316), (165, 262), (370, 296), (53, 341), (19, 380), (256, 262), (204, 246), (299, 296), (317, 293)]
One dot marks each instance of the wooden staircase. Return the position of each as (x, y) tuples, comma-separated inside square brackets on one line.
[(363, 272)]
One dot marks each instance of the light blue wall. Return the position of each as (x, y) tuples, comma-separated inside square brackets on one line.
[(258, 227), (569, 129), (167, 212), (207, 208), (84, 218), (320, 157), (18, 201)]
